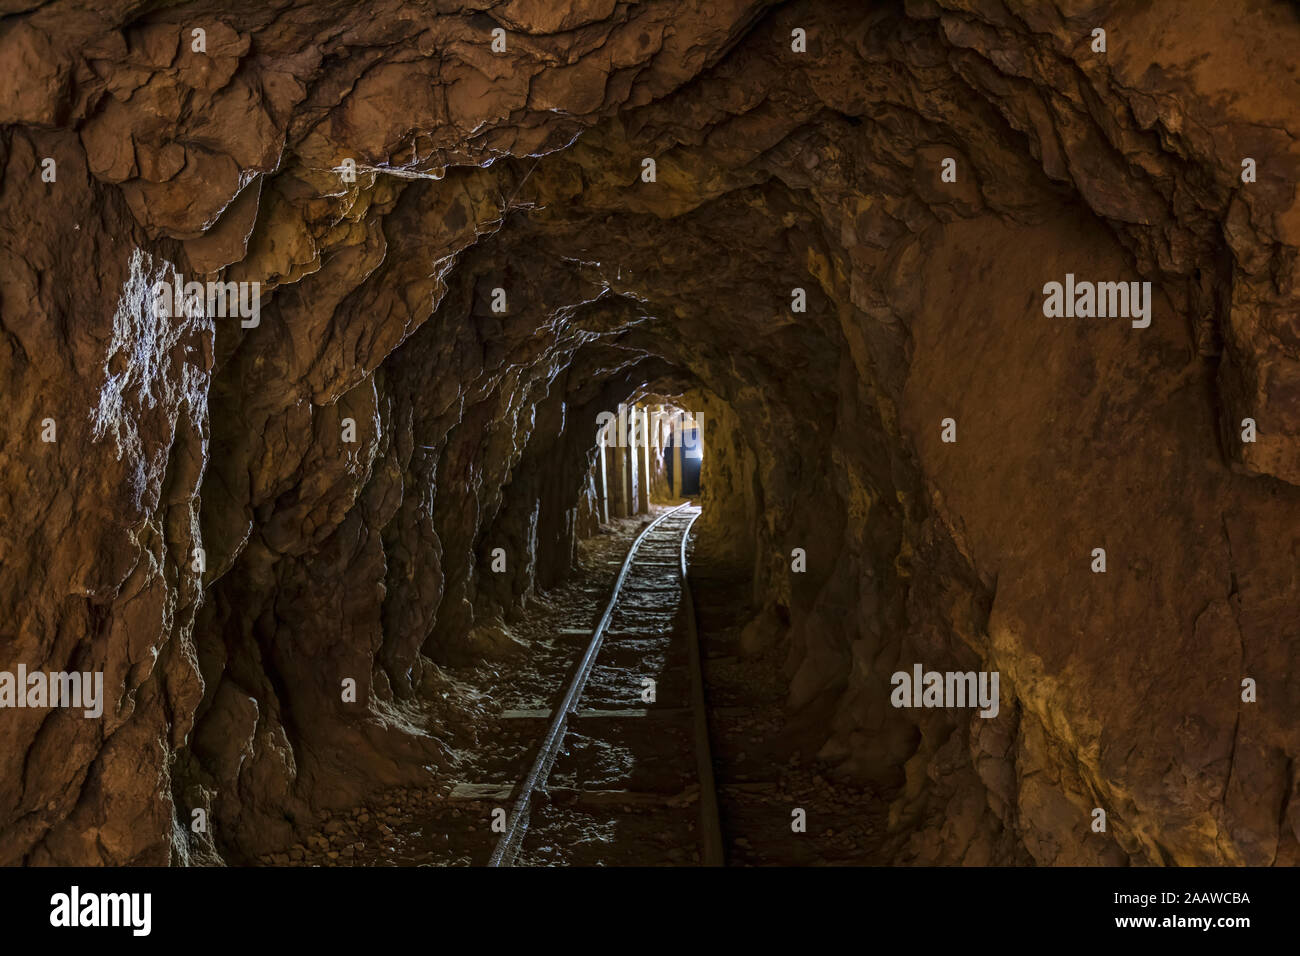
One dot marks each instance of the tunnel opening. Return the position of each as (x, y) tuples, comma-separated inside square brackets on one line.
[(313, 547), (685, 461)]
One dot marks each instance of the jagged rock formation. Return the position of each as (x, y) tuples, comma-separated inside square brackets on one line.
[(521, 170)]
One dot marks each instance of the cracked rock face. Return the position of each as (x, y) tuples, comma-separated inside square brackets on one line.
[(461, 258)]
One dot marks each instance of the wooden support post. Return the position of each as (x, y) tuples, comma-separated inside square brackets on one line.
[(618, 453), (643, 473), (678, 484), (629, 472), (604, 483)]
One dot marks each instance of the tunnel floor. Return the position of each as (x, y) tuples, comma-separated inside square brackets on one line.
[(624, 791), (763, 767)]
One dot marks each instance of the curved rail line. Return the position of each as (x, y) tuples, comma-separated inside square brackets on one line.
[(710, 825), (550, 746)]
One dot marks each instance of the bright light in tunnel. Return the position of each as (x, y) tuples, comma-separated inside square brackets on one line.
[(692, 443)]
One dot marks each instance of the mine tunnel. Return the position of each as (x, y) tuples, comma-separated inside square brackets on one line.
[(686, 435), (574, 434)]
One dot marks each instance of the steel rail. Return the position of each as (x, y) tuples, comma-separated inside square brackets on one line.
[(507, 847), (710, 825)]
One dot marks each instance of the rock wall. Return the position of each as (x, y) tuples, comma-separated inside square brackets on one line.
[(461, 260)]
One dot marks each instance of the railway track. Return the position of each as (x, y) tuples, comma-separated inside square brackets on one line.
[(622, 773)]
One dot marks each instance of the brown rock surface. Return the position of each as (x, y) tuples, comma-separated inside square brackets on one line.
[(326, 559)]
